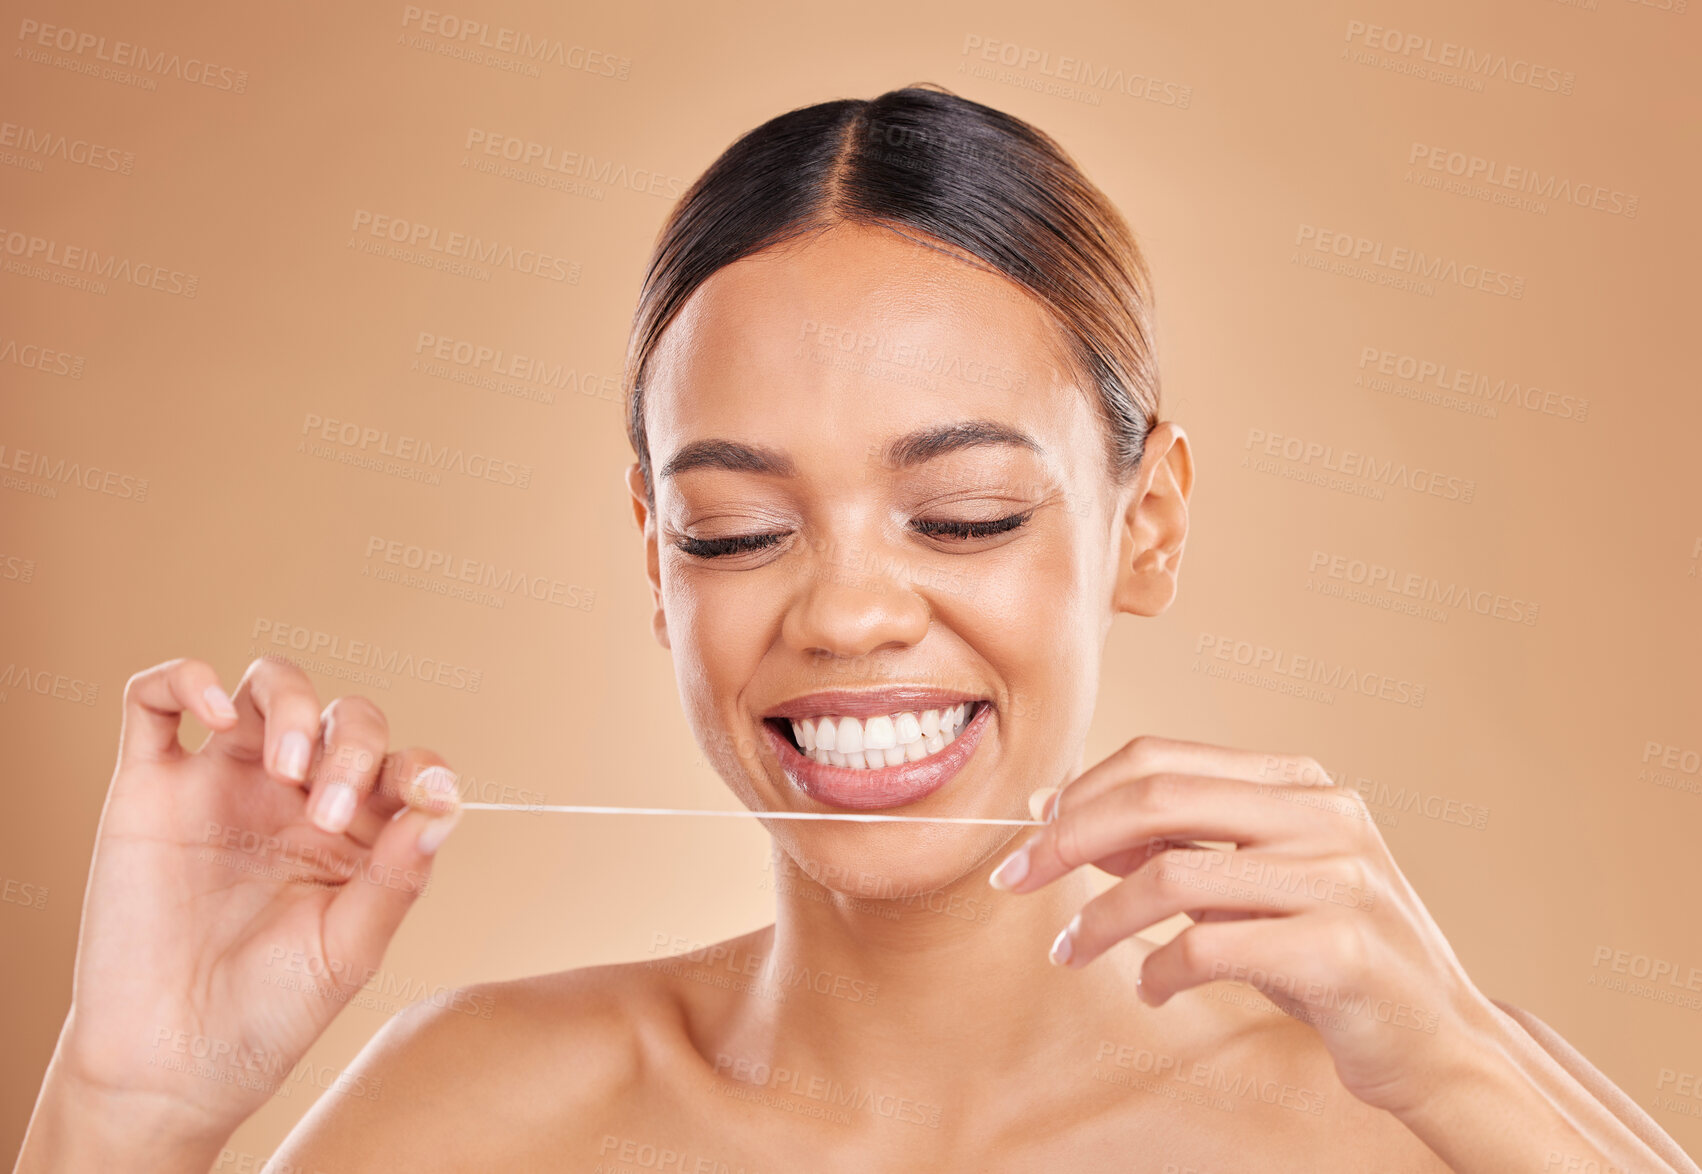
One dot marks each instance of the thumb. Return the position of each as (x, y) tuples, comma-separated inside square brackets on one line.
[(366, 912)]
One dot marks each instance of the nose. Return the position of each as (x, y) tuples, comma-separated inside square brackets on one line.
[(852, 607)]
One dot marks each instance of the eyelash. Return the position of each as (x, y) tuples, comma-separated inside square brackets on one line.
[(967, 530), (720, 547), (951, 530)]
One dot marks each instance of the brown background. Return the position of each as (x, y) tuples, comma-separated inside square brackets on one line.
[(1537, 731)]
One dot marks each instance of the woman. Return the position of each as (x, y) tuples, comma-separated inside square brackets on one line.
[(894, 402)]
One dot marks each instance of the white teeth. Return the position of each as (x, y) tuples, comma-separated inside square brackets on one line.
[(881, 740), (879, 734)]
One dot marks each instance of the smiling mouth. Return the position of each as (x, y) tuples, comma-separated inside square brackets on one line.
[(877, 741)]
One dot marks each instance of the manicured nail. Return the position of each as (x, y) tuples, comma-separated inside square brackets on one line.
[(435, 832), (1064, 944), (437, 783), (294, 754), (219, 702), (1039, 802), (1011, 872), (336, 807)]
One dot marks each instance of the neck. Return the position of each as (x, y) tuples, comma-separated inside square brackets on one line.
[(947, 993)]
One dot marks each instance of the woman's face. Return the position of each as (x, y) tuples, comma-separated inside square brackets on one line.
[(880, 489)]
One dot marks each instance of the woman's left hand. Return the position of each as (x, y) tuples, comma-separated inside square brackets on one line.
[(1306, 906)]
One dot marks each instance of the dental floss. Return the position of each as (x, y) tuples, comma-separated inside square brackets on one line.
[(853, 817)]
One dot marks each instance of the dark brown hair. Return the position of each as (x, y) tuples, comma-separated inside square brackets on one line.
[(923, 159)]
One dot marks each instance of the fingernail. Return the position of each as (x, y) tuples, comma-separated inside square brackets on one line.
[(1037, 802), (1064, 944), (219, 702), (435, 832), (336, 807), (437, 783), (294, 753), (1011, 872)]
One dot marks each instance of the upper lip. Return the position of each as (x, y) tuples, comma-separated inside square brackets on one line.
[(869, 702)]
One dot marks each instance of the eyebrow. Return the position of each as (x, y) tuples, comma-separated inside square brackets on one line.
[(731, 455), (906, 452), (929, 443)]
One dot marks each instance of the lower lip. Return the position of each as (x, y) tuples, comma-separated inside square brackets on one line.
[(888, 786)]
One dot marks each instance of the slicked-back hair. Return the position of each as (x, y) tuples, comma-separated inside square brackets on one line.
[(925, 161)]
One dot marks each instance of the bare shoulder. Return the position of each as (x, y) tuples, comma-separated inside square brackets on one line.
[(481, 1079), (1275, 1087), (1597, 1084)]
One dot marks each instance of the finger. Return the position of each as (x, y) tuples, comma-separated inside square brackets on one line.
[(1149, 754), (1212, 884), (155, 700), (1314, 960), (1125, 862), (1202, 953), (365, 913), (414, 777), (277, 720), (356, 738), (1148, 814)]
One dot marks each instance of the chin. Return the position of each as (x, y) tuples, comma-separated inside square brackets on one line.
[(908, 750), (891, 871)]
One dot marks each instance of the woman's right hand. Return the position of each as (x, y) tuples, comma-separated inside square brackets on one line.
[(238, 895)]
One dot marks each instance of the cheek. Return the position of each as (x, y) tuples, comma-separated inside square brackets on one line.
[(1035, 618), (719, 627)]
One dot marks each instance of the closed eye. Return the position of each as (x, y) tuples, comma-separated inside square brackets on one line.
[(721, 547), (947, 528)]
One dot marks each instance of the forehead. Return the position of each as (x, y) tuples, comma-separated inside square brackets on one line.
[(854, 336)]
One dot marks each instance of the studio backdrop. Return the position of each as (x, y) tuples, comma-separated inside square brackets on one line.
[(312, 321)]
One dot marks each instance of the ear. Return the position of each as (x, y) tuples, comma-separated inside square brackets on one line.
[(646, 519), (1155, 523)]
